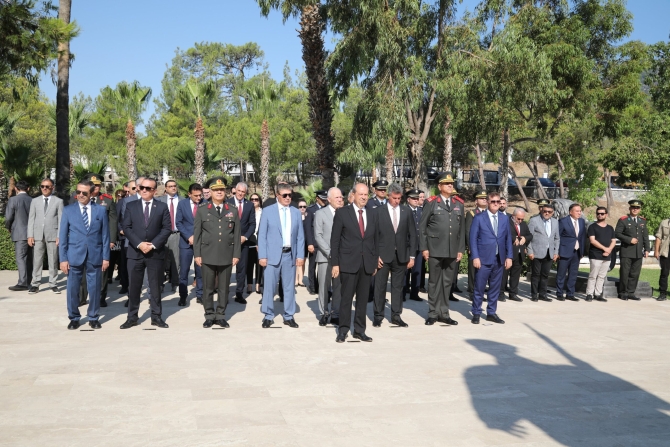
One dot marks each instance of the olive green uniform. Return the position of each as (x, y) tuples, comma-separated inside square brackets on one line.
[(442, 233), (107, 202), (216, 239), (631, 255)]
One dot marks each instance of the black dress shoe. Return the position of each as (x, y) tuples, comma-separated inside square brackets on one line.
[(533, 299), (323, 321), (457, 290), (600, 298), (431, 321), (103, 302), (661, 297), (18, 288), (239, 299), (588, 298), (95, 324), (362, 337), (174, 288), (502, 298), (447, 321), (423, 290), (55, 289), (291, 323), (267, 323), (123, 291), (377, 322), (182, 302), (453, 298), (633, 297), (33, 290), (545, 298), (158, 321), (495, 318), (128, 324), (208, 324), (73, 325), (515, 298), (475, 319), (198, 300), (415, 298), (623, 297), (571, 298), (341, 338), (221, 322), (126, 303), (260, 301), (335, 321), (560, 298), (398, 322)]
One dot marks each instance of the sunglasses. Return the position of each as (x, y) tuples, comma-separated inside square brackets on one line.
[(635, 207), (301, 206), (45, 186), (133, 188), (548, 211), (83, 193), (494, 201), (254, 200), (145, 188), (286, 195), (601, 214)]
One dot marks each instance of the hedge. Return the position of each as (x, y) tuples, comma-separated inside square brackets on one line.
[(7, 255)]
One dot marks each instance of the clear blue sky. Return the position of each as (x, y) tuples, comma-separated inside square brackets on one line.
[(135, 40)]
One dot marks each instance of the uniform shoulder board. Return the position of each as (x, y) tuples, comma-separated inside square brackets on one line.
[(209, 206), (430, 199), (226, 205), (458, 199), (642, 217), (624, 218), (202, 204), (472, 213), (106, 196)]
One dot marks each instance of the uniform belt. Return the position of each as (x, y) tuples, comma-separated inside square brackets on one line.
[(286, 249)]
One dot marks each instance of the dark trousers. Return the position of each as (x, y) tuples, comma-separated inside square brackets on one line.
[(254, 269), (397, 270), (412, 276), (241, 269), (311, 271), (439, 286), (540, 275), (114, 259), (359, 284), (629, 273), (663, 279), (514, 274), (90, 274), (210, 273), (471, 276), (185, 259), (24, 262), (136, 268), (569, 266), (504, 280), (123, 266), (171, 266), (492, 275), (422, 275)]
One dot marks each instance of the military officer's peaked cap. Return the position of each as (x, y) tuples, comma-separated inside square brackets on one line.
[(94, 178), (217, 183), (321, 194), (636, 203), (380, 184), (543, 202), (445, 177), (413, 193), (481, 195)]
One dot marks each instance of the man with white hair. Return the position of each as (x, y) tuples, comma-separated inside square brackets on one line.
[(521, 236), (247, 215)]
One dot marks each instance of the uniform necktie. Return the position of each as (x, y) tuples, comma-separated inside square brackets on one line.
[(446, 205), (84, 216), (218, 211), (395, 219), (239, 209), (195, 209), (361, 224), (46, 205), (574, 223), (146, 214), (414, 212), (172, 212)]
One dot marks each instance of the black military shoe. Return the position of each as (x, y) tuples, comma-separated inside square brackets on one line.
[(208, 324), (600, 298), (633, 298), (221, 322), (431, 321), (661, 297), (588, 298)]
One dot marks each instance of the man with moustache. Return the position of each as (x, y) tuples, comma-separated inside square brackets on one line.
[(521, 237)]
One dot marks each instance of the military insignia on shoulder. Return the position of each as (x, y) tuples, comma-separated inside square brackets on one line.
[(107, 196), (624, 218), (430, 199), (226, 205), (458, 199), (202, 204), (209, 206)]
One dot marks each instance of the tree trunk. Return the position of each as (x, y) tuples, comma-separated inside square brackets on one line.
[(265, 160), (561, 170), (199, 151), (521, 191), (504, 166), (539, 188), (320, 110), (131, 162), (390, 157), (480, 166), (63, 108), (374, 173), (608, 189), (416, 162), (72, 179), (12, 186), (448, 144)]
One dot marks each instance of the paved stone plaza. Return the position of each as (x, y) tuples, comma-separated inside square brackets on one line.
[(560, 373)]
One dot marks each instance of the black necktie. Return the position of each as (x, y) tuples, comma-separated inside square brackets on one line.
[(218, 210), (446, 204)]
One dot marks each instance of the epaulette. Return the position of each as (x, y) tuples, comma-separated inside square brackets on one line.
[(209, 206), (202, 204), (624, 218), (472, 213), (430, 199), (642, 217), (226, 206), (459, 199), (106, 196)]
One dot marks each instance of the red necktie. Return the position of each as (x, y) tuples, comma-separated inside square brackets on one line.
[(361, 225), (239, 209), (195, 209), (172, 212)]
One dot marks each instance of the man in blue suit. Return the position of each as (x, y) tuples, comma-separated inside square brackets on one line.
[(84, 247), (185, 217), (491, 251), (572, 231), (281, 247)]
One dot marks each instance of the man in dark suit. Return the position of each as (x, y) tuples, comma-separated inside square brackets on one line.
[(123, 263), (84, 250), (171, 199), (146, 224), (491, 247), (521, 236), (16, 221), (397, 242), (572, 231), (354, 254), (247, 217), (186, 211), (412, 281), (310, 240), (480, 207), (377, 200)]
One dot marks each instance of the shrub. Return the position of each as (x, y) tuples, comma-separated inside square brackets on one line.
[(7, 255), (656, 205)]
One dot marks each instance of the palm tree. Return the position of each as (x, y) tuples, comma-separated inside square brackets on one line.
[(130, 101), (199, 96), (14, 158), (62, 106), (314, 55), (263, 100), (78, 119), (81, 170), (8, 120)]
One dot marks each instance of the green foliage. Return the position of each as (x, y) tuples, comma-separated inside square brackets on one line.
[(7, 253), (658, 78), (82, 170), (656, 205), (463, 266), (309, 193)]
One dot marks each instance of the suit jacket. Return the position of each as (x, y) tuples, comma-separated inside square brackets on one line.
[(416, 217), (524, 232), (348, 249), (41, 225), (566, 232), (166, 200), (184, 222), (248, 220), (310, 237), (404, 241), (156, 232), (76, 243), (124, 205), (374, 203), (541, 243), (484, 241), (323, 227), (270, 239), (16, 216)]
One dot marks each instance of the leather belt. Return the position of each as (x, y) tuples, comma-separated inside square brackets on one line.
[(286, 250)]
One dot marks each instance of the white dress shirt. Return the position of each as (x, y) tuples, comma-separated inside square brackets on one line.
[(332, 210), (144, 205), (88, 211), (397, 211), (287, 213)]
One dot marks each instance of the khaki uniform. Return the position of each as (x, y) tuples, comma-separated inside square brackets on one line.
[(216, 239), (631, 255)]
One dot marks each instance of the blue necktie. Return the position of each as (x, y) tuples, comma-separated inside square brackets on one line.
[(84, 216)]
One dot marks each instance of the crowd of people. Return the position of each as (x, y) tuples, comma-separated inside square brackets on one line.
[(350, 248)]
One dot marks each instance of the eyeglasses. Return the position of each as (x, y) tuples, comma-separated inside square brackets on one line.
[(548, 211), (286, 195), (494, 201), (45, 186), (83, 193), (133, 188), (145, 188), (601, 214), (254, 200), (302, 206)]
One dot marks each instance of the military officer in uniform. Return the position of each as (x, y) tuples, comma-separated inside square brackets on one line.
[(106, 201), (412, 279), (216, 247), (633, 233), (379, 199), (442, 243), (480, 206)]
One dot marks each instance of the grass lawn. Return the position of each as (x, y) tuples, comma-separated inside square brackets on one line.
[(647, 275)]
